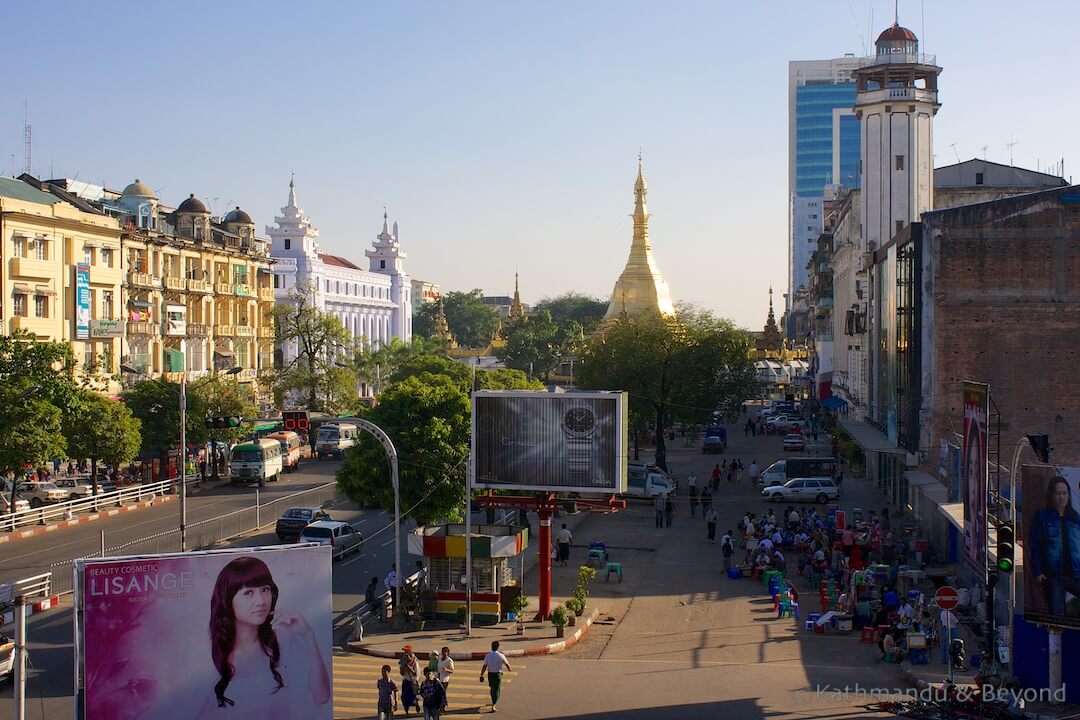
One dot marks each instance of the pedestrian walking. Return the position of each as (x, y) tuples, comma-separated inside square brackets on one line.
[(390, 582), (727, 551), (706, 500), (433, 695), (421, 576), (691, 481), (409, 669), (669, 509), (564, 538), (693, 501), (495, 664), (446, 669), (388, 695), (716, 477), (658, 505), (711, 517)]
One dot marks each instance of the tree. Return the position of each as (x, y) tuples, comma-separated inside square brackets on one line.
[(472, 322), (156, 403), (428, 421), (673, 367), (378, 365), (321, 341), (585, 310), (223, 397), (101, 429), (423, 321), (429, 368), (535, 344)]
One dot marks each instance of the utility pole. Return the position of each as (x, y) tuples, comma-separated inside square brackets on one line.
[(20, 657)]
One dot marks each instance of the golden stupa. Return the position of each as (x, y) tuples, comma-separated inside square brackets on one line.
[(640, 288)]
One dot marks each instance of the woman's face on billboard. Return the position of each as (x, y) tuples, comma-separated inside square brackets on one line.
[(251, 605), (1061, 497)]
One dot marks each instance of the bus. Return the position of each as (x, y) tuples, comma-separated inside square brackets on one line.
[(290, 449), (256, 461), (334, 439)]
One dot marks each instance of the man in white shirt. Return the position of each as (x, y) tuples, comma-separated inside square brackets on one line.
[(767, 544), (495, 664), (564, 538), (390, 583), (445, 669), (753, 471), (905, 614), (949, 623), (691, 481)]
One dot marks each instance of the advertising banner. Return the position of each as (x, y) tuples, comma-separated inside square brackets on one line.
[(976, 412), (1050, 532), (242, 633), (106, 328), (564, 442), (82, 302), (176, 320)]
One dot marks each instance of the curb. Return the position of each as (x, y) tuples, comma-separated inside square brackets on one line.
[(41, 606), (548, 649), (42, 529)]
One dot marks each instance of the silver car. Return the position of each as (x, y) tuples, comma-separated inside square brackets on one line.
[(76, 488), (342, 537), (811, 489)]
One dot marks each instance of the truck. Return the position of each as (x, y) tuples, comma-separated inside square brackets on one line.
[(645, 483), (715, 439)]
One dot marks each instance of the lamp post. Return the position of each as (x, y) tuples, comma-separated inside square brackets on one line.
[(183, 443)]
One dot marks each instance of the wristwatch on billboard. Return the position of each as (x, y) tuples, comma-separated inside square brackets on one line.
[(578, 425)]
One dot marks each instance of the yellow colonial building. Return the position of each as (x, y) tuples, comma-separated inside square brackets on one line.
[(61, 275)]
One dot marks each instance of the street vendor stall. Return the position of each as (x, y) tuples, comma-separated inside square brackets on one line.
[(493, 546)]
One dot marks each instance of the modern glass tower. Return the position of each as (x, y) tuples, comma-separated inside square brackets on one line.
[(823, 149)]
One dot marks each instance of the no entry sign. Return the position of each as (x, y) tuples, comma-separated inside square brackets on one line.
[(947, 598)]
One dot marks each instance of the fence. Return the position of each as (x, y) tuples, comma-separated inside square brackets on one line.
[(205, 534), (65, 510)]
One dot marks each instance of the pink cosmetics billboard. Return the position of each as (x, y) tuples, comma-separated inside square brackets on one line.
[(243, 634)]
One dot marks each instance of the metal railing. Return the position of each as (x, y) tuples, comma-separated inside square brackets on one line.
[(207, 533), (103, 500)]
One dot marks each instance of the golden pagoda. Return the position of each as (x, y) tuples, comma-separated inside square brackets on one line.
[(640, 288), (517, 310), (442, 328)]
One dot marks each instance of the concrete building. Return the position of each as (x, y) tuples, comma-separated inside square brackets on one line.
[(61, 273), (424, 293), (375, 303), (823, 150)]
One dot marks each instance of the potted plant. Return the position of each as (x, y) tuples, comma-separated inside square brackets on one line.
[(585, 576), (559, 619), (517, 606), (461, 614), (576, 604)]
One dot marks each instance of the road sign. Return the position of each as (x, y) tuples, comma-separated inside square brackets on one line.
[(947, 598)]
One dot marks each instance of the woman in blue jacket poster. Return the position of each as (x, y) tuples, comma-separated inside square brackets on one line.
[(1054, 537)]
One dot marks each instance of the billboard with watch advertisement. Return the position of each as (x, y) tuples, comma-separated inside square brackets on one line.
[(562, 442), (242, 633)]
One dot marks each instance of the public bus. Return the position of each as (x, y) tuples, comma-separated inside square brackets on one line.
[(290, 449), (334, 439), (257, 461)]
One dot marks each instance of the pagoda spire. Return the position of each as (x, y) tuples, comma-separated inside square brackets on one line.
[(771, 339), (292, 191), (517, 310), (442, 327)]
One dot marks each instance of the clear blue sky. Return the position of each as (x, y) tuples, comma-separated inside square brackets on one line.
[(504, 135)]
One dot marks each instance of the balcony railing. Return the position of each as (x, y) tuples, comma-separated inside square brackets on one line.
[(223, 288), (245, 331), (138, 279), (198, 329), (246, 374), (198, 286), (32, 267), (898, 59), (243, 290), (174, 377), (142, 328), (902, 94), (225, 330), (174, 283), (266, 332), (267, 294)]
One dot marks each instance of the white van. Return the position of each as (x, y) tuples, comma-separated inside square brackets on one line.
[(257, 461), (333, 440), (290, 449)]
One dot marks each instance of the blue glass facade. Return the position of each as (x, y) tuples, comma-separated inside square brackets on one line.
[(814, 105)]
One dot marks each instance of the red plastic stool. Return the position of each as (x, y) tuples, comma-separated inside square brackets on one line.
[(867, 635)]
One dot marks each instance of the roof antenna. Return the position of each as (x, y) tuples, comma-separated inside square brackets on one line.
[(896, 15), (1010, 146), (953, 146)]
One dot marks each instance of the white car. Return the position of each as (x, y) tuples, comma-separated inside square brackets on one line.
[(36, 492), (785, 423), (794, 441), (5, 503), (341, 537), (819, 490), (76, 488)]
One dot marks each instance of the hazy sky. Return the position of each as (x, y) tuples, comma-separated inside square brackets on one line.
[(504, 135)]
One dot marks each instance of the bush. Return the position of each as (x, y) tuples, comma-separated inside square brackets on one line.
[(575, 605), (518, 604), (585, 575), (559, 618), (461, 613)]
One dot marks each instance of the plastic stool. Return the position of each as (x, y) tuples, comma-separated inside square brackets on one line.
[(613, 567), (734, 573), (867, 635), (811, 619)]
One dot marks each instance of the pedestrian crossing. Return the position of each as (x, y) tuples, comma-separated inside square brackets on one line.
[(356, 698)]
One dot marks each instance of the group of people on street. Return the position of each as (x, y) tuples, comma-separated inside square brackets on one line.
[(432, 690)]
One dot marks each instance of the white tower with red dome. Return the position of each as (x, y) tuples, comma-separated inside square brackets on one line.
[(896, 98)]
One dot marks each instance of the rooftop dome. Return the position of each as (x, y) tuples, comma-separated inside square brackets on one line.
[(138, 189), (239, 216), (897, 33), (192, 205)]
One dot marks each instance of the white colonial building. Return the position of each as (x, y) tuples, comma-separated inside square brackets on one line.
[(375, 303)]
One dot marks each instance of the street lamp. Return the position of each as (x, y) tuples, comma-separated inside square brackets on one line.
[(183, 442)]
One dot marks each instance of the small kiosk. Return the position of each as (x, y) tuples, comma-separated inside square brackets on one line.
[(493, 546)]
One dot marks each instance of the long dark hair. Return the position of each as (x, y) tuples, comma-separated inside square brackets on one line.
[(244, 572), (1069, 509)]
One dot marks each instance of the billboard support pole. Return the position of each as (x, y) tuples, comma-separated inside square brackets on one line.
[(183, 457), (468, 547), (1054, 648), (545, 563), (20, 658), (1014, 472)]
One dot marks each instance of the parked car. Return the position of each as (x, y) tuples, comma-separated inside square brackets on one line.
[(819, 490), (37, 493), (76, 488), (5, 503), (784, 423), (342, 537), (794, 441), (783, 470), (294, 520)]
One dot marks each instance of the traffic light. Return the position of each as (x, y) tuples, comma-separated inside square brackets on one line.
[(296, 420), (222, 423), (1005, 548), (1041, 445)]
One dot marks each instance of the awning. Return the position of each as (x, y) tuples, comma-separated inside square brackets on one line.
[(222, 352), (139, 303), (43, 290), (265, 427), (833, 402), (954, 513), (21, 289), (868, 437)]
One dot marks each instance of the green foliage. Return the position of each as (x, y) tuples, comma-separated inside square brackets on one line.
[(224, 397), (536, 344), (423, 321), (156, 403), (103, 430), (426, 367), (427, 418), (585, 575), (519, 604), (575, 605), (378, 367), (572, 307), (674, 368), (472, 323), (320, 340), (49, 366), (559, 618), (31, 431), (461, 612)]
